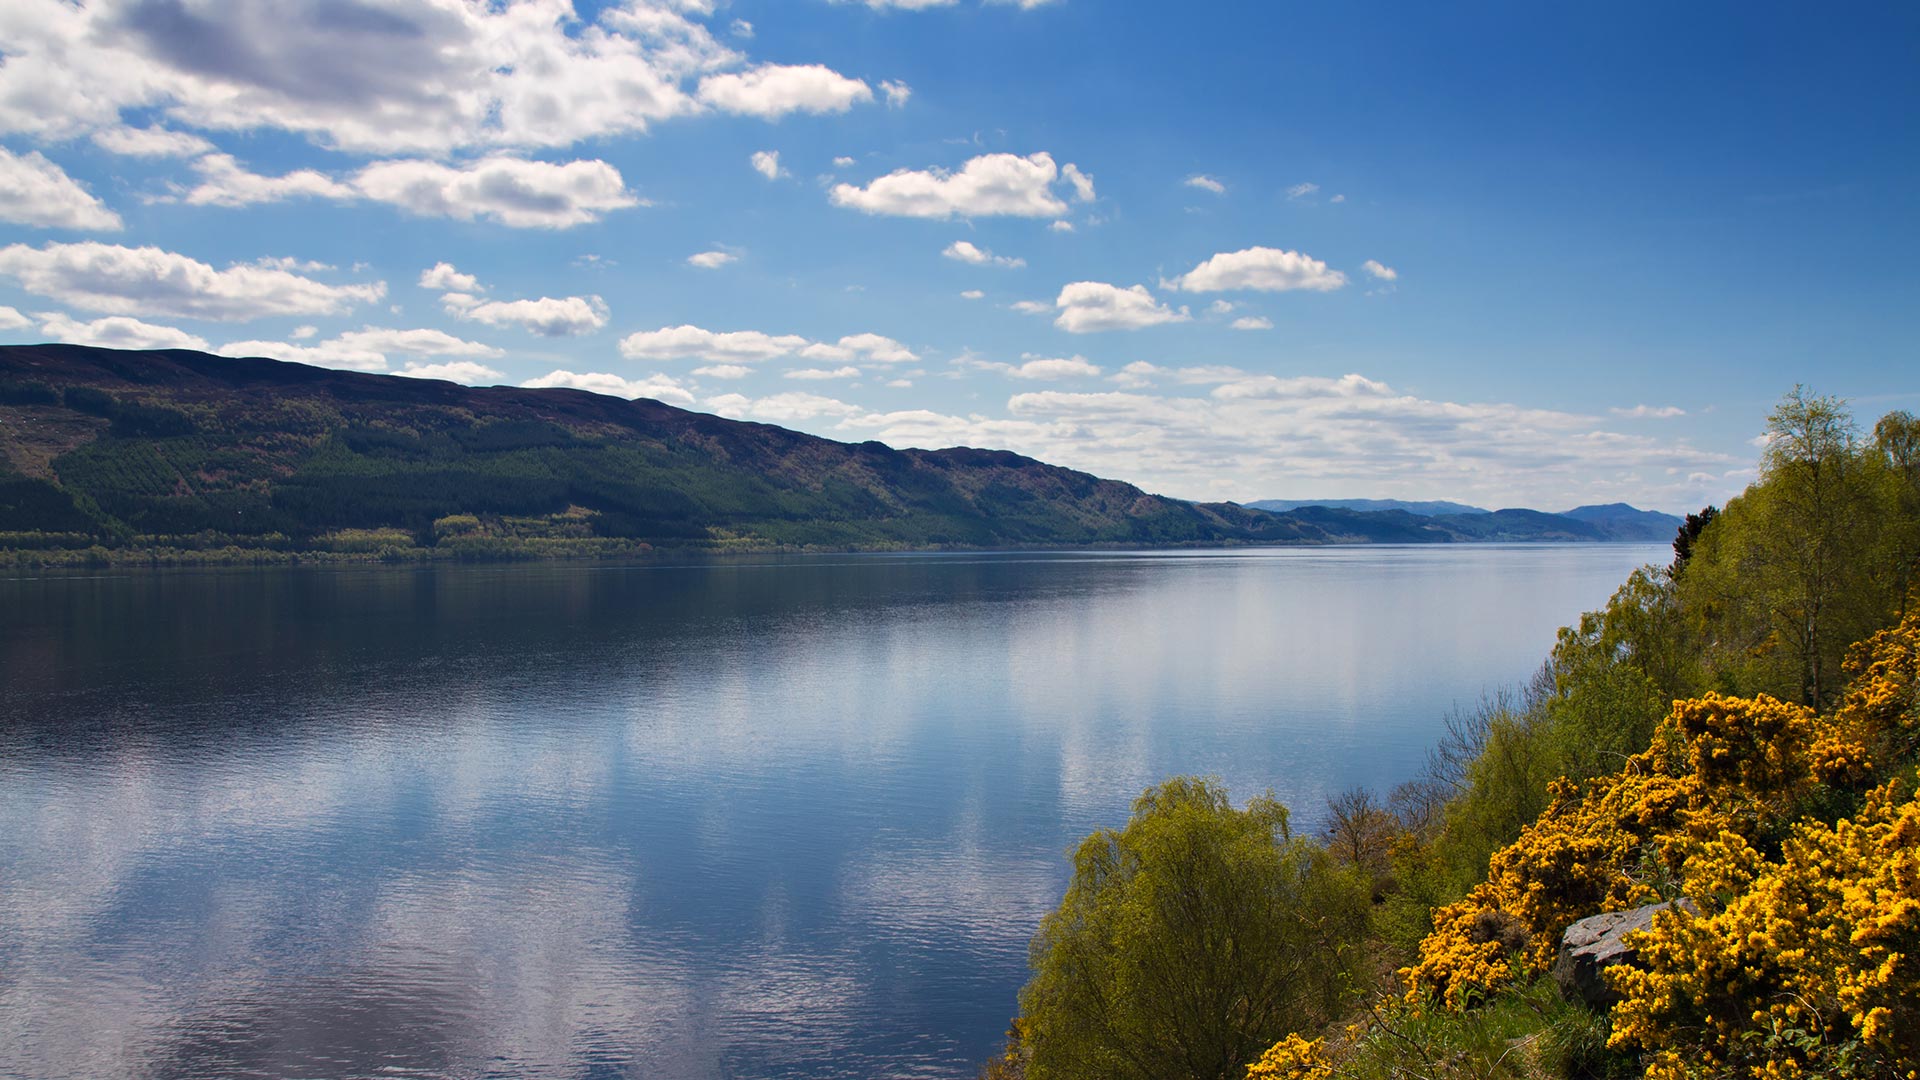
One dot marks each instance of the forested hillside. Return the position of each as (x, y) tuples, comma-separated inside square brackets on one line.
[(183, 451), (1731, 746), (176, 456)]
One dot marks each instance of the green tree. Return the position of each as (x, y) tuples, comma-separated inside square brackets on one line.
[(1189, 942), (1794, 561)]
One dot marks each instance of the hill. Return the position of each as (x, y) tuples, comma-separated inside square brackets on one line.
[(183, 449), (1627, 523), (187, 456)]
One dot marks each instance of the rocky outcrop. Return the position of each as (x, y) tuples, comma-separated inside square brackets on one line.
[(1594, 944)]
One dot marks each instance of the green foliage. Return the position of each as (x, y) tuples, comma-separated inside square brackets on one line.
[(1189, 941), (27, 393)]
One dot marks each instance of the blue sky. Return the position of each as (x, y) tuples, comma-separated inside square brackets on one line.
[(1502, 253)]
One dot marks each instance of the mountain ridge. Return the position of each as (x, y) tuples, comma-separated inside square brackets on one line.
[(176, 450)]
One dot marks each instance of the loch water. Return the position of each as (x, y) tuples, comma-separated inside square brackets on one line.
[(781, 817)]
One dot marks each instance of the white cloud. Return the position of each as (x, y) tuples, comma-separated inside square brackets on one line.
[(712, 260), (988, 185), (783, 408), (1301, 191), (965, 251), (512, 191), (897, 93), (695, 343), (740, 28), (442, 277), (842, 162), (771, 91), (1039, 368), (767, 164), (224, 182), (1082, 182), (1262, 268), (1060, 226), (1650, 412), (1383, 273), (547, 316), (116, 332), (412, 76), (461, 371), (657, 387), (972, 294), (1033, 307), (152, 141), (368, 349), (36, 192), (753, 346), (817, 374), (1089, 306), (1253, 322), (723, 371), (11, 319), (1220, 307), (1338, 199), (1206, 183), (302, 333), (150, 281)]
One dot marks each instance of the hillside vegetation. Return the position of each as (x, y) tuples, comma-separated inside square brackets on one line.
[(182, 452), (110, 456), (1740, 729)]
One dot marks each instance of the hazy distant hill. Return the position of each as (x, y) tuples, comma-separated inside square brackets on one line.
[(1423, 509), (183, 451), (1627, 523)]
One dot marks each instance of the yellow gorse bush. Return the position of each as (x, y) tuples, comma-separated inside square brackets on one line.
[(1292, 1058), (1719, 766), (1802, 955)]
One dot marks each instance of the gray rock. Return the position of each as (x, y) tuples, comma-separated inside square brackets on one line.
[(1594, 944)]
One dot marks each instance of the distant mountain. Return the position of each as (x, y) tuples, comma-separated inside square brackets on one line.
[(1623, 522), (1423, 509)]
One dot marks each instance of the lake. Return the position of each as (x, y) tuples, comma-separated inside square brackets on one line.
[(760, 817)]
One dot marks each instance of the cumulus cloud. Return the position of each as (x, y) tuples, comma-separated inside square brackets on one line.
[(36, 192), (469, 372), (989, 185), (1061, 226), (972, 294), (1650, 412), (771, 91), (369, 348), (150, 142), (711, 260), (1301, 191), (442, 277), (1088, 306), (723, 371), (1253, 322), (767, 164), (657, 387), (783, 408), (116, 332), (1039, 368), (818, 374), (511, 191), (11, 319), (965, 251), (415, 76), (1261, 268), (568, 316), (753, 346), (1380, 272), (151, 281), (1206, 183)]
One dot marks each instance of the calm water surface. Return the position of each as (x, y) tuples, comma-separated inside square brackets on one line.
[(765, 818)]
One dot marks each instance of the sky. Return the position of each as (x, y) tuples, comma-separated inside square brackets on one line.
[(1507, 254)]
